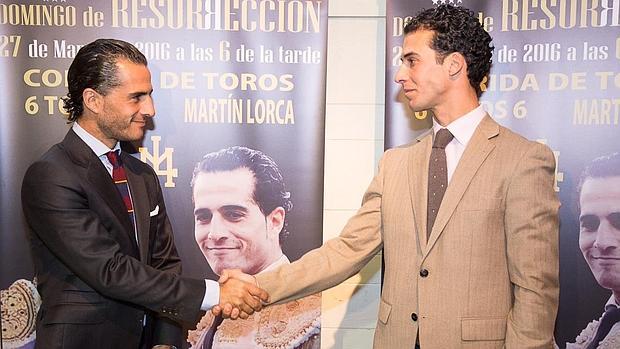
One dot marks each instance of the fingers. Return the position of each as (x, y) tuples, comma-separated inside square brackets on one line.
[(216, 310), (251, 303), (229, 312), (244, 315), (225, 310), (239, 298), (258, 293), (235, 293)]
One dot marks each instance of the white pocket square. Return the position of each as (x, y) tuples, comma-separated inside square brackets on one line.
[(154, 212)]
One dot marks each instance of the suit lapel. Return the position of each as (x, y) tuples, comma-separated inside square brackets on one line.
[(98, 176), (141, 207), (418, 177), (478, 149)]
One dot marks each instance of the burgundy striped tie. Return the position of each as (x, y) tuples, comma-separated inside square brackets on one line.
[(120, 179)]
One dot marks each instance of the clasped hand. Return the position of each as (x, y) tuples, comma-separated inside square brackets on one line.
[(239, 295)]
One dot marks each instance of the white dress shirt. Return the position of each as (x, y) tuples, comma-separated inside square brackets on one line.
[(462, 129), (97, 146)]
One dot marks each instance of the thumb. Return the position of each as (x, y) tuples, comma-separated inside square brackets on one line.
[(224, 277)]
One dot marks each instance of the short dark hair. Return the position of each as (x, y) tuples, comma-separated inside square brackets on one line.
[(269, 189), (456, 29), (95, 67), (601, 167)]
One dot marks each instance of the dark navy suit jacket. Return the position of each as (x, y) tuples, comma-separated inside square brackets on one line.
[(96, 283)]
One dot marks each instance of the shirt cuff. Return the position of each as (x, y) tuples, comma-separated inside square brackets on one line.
[(212, 295)]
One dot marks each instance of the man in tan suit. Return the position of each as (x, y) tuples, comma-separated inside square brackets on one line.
[(486, 274)]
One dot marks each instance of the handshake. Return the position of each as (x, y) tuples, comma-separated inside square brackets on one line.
[(240, 295)]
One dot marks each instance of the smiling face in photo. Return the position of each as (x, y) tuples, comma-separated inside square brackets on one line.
[(230, 229), (599, 234)]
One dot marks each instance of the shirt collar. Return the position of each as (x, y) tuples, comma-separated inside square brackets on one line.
[(93, 143), (280, 261), (611, 303), (463, 127)]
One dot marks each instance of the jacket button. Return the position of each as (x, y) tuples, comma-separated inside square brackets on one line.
[(414, 316), (423, 273)]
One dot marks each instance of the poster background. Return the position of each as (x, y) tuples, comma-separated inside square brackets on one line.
[(579, 120), (293, 81)]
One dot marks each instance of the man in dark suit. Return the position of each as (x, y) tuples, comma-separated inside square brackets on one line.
[(107, 268)]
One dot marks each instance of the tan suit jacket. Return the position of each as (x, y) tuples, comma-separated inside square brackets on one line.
[(491, 262)]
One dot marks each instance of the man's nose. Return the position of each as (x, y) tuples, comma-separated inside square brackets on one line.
[(148, 107), (606, 237), (217, 228), (401, 74)]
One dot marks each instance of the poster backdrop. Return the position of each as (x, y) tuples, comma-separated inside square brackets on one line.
[(225, 73), (555, 79)]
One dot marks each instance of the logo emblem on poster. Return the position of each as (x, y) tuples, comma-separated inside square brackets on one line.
[(156, 159), (449, 2)]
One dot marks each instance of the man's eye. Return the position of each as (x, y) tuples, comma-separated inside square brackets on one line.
[(204, 218), (590, 223), (137, 98), (234, 216), (408, 62), (614, 220)]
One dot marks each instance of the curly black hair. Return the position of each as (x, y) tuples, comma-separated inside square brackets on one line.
[(94, 67), (457, 30), (269, 189)]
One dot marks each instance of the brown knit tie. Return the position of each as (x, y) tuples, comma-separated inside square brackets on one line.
[(437, 177)]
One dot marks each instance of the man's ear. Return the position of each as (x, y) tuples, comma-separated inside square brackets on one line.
[(457, 65), (93, 100), (275, 220)]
